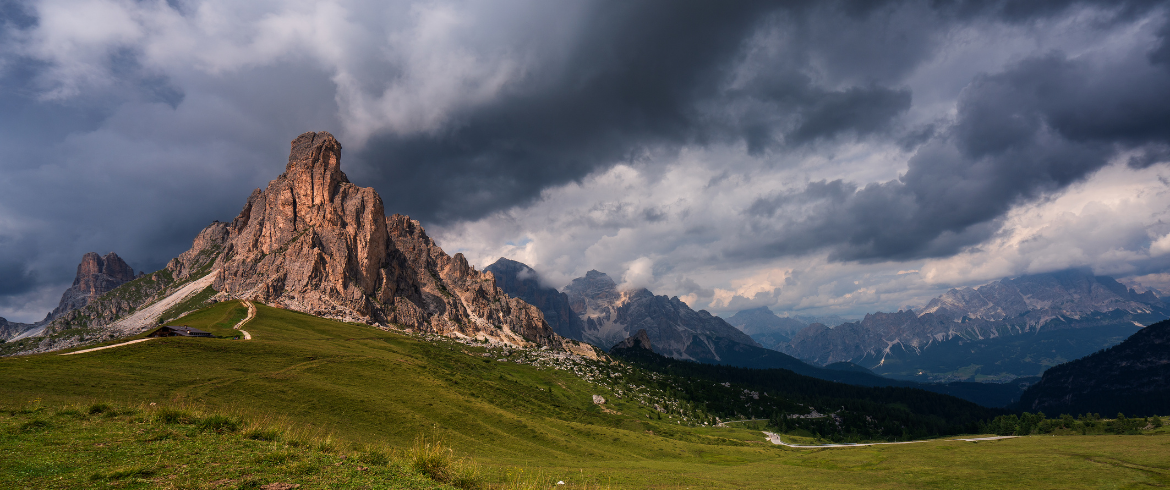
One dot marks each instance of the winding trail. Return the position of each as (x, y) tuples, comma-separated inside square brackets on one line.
[(135, 341), (775, 439), (251, 315)]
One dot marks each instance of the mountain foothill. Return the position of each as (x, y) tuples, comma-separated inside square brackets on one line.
[(313, 242)]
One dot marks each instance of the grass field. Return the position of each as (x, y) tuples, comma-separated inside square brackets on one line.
[(524, 425)]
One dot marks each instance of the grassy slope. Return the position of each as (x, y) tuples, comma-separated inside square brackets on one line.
[(73, 448), (366, 386)]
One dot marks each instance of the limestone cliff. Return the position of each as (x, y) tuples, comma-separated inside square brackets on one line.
[(9, 329), (314, 242), (96, 275)]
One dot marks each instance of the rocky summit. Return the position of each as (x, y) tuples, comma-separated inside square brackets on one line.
[(611, 316), (96, 275), (521, 281), (316, 243)]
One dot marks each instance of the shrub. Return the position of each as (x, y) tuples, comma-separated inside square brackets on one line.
[(267, 435), (219, 424), (438, 462), (432, 459), (172, 416), (35, 426), (98, 408), (374, 457)]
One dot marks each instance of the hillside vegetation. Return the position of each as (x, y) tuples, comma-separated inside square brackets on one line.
[(527, 418)]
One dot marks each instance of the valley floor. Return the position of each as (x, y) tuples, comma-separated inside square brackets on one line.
[(525, 426)]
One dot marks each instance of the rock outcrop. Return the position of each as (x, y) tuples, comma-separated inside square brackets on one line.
[(314, 242), (9, 329), (677, 331), (637, 341), (96, 275), (520, 281)]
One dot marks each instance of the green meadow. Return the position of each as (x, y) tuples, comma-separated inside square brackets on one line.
[(345, 391)]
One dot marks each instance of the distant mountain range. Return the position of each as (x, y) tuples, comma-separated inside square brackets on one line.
[(610, 316), (774, 331), (1132, 377), (1000, 331)]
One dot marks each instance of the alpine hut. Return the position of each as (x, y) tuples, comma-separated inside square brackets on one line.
[(178, 331)]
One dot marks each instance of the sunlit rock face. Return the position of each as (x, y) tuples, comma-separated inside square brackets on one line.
[(314, 242)]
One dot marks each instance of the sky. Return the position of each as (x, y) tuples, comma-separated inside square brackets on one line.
[(815, 157)]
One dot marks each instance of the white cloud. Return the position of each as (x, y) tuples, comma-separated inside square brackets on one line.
[(639, 274), (1115, 222), (396, 66)]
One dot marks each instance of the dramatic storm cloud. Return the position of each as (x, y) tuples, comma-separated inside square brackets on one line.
[(809, 156)]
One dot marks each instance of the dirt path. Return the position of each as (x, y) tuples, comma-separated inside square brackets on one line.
[(775, 439), (251, 315), (107, 347)]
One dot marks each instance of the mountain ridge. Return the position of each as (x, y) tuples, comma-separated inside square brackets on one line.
[(995, 313), (1132, 377)]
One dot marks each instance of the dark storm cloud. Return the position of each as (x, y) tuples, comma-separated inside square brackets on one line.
[(17, 278), (629, 83), (138, 169), (648, 75), (643, 75), (144, 156), (1037, 127)]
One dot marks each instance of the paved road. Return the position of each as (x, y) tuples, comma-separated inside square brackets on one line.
[(107, 347), (251, 315), (724, 424), (775, 439)]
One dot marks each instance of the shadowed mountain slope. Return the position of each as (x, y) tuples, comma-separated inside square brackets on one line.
[(520, 281), (1132, 377)]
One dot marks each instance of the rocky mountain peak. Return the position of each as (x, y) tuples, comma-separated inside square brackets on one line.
[(678, 331), (521, 281), (314, 242), (96, 275), (592, 294), (593, 283)]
